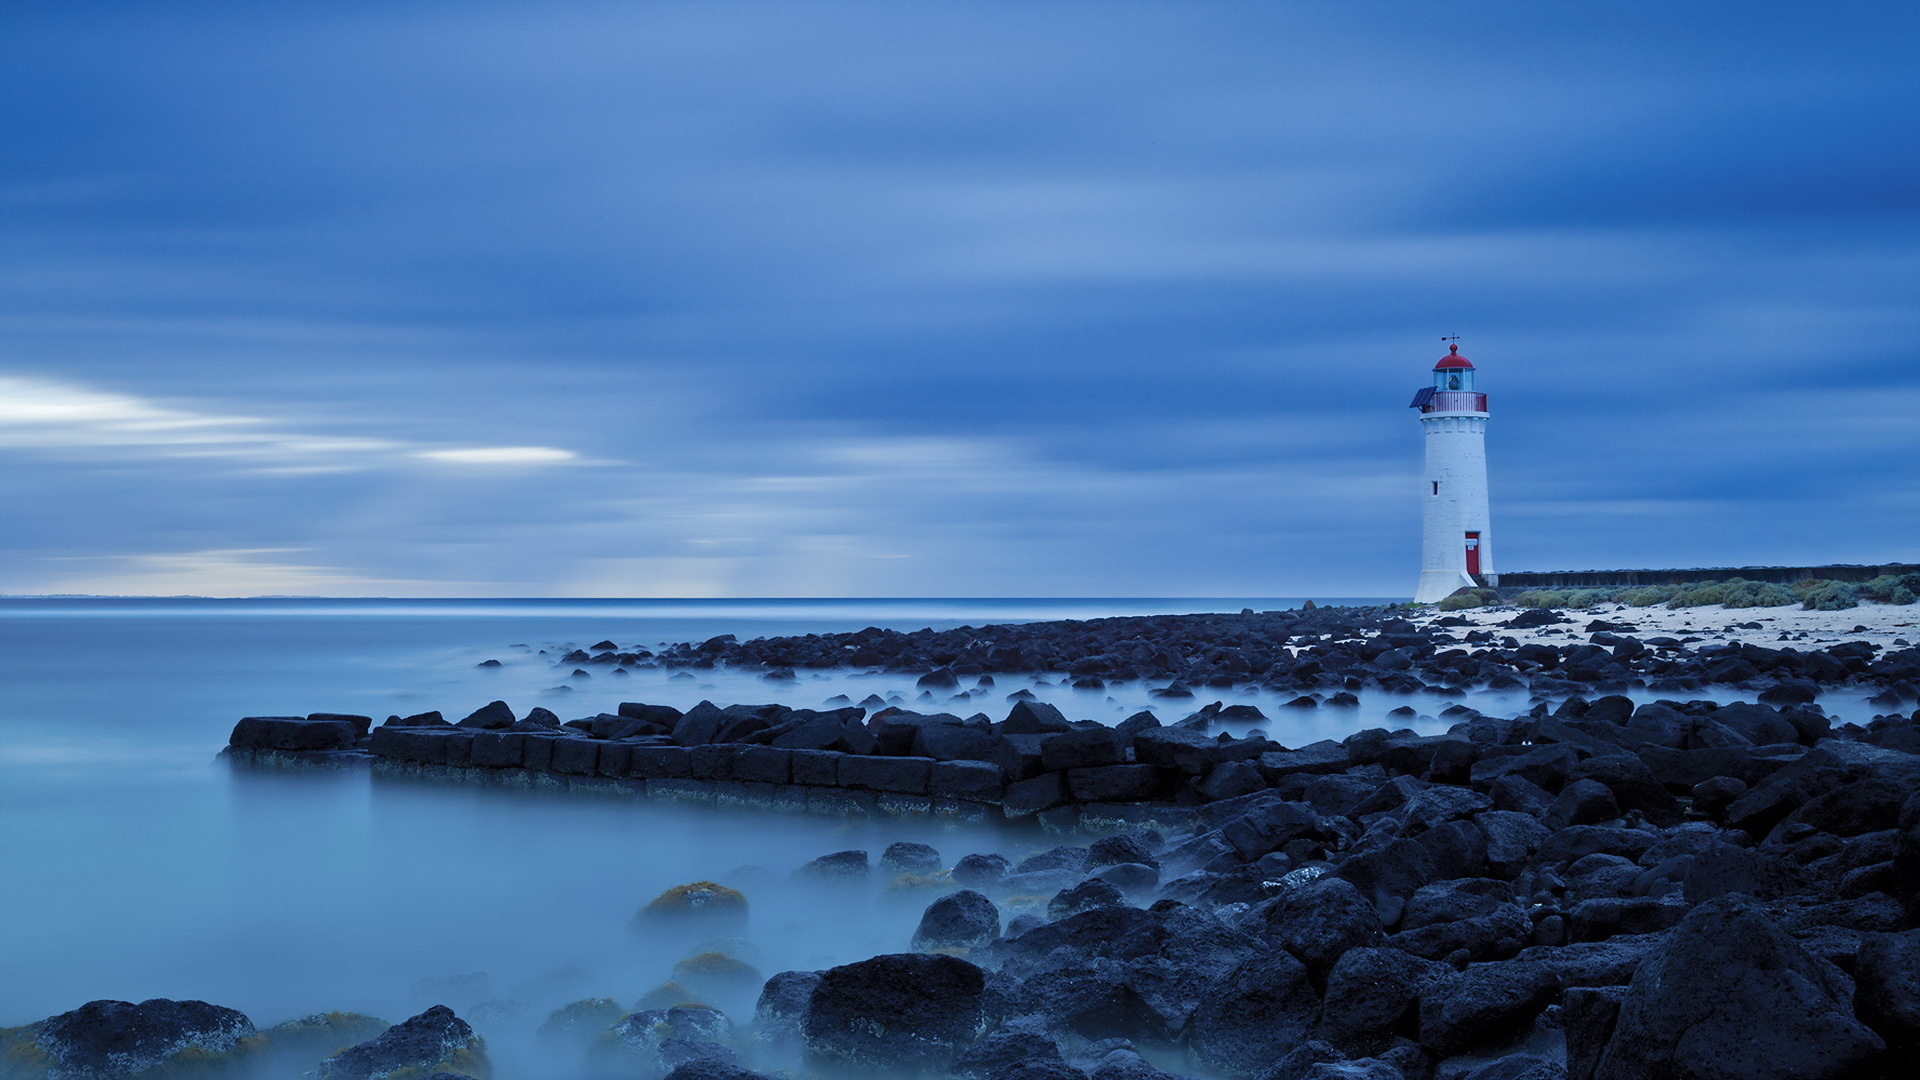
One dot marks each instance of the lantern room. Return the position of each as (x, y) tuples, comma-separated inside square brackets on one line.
[(1453, 372)]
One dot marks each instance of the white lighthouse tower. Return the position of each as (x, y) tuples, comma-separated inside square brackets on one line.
[(1456, 535)]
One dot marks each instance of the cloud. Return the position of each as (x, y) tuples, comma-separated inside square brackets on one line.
[(47, 415), (228, 573), (500, 455)]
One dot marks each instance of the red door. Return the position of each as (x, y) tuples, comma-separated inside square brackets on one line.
[(1473, 554)]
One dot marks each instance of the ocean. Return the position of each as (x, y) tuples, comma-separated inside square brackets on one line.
[(134, 864)]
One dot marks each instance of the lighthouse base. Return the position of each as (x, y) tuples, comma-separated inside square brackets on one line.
[(1437, 585)]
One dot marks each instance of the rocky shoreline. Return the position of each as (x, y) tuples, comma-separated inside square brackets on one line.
[(1594, 889)]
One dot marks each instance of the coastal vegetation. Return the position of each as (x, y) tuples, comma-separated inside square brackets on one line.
[(1811, 594)]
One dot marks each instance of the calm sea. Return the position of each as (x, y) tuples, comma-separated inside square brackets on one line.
[(132, 865)]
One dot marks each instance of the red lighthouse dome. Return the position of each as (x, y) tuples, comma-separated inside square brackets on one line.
[(1453, 359)]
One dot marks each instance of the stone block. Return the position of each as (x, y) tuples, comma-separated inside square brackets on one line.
[(907, 775), (975, 781), (1114, 783), (576, 756), (763, 764), (615, 759), (497, 749), (711, 762), (821, 768), (659, 762), (1035, 793), (536, 752)]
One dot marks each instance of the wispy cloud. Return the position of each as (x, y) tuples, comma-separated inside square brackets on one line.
[(48, 415)]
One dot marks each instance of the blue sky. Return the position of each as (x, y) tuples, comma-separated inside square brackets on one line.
[(1126, 299)]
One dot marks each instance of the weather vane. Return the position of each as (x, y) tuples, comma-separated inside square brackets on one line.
[(1451, 337)]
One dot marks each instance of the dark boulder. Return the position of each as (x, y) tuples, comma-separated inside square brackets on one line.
[(1582, 802), (1256, 1016), (981, 871), (1109, 850), (1020, 1040), (713, 1069), (902, 1010), (1086, 896), (781, 1009), (962, 920), (493, 716), (839, 866), (903, 857), (1033, 718), (1371, 994), (1888, 996), (1321, 920), (293, 733), (1081, 749), (433, 1041), (1730, 994), (1486, 1003), (112, 1039)]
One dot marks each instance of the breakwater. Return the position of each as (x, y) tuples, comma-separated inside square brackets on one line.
[(1778, 575)]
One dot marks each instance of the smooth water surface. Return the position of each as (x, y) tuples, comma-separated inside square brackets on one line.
[(133, 865)]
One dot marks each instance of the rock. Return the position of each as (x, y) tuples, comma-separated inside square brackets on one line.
[(702, 909), (1830, 765), (493, 716), (1606, 916), (1231, 779), (1023, 1039), (1582, 802), (107, 1040), (1483, 1004), (652, 1041), (981, 871), (1087, 895), (1371, 994), (292, 733), (1085, 748), (938, 679), (1712, 796), (710, 1069), (1321, 920), (579, 1023), (1633, 785), (1035, 1069), (1512, 838), (1114, 783), (1134, 879), (1110, 850), (896, 1011), (1268, 823), (1256, 1016), (293, 1047), (717, 978), (1731, 995), (839, 866), (781, 1010), (902, 857), (1387, 876), (1033, 718), (433, 1041), (1888, 996), (962, 920)]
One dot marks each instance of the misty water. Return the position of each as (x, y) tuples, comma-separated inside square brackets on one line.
[(134, 865)]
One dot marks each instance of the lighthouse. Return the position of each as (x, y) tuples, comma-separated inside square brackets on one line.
[(1456, 534)]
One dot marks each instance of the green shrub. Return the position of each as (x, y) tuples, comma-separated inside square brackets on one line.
[(1890, 588), (1468, 598), (1649, 595), (1751, 594), (1830, 596), (1702, 594)]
